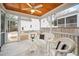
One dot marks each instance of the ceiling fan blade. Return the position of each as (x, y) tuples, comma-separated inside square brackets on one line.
[(38, 6), (38, 11), (26, 8), (29, 5)]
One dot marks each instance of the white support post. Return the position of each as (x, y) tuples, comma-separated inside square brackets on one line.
[(78, 20), (49, 19), (57, 22), (40, 25), (19, 27), (0, 21), (50, 24), (77, 48), (55, 18), (0, 28), (50, 33), (65, 22), (6, 28)]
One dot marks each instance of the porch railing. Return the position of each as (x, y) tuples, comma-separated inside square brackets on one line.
[(69, 32)]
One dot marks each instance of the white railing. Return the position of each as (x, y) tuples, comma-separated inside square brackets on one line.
[(69, 32)]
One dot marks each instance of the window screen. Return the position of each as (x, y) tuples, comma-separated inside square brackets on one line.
[(61, 21), (55, 22), (71, 19)]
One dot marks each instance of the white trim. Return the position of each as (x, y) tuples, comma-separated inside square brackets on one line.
[(6, 28), (59, 8), (21, 14), (0, 20), (40, 25), (18, 13), (0, 27), (19, 27), (78, 20), (50, 22), (68, 14), (65, 23)]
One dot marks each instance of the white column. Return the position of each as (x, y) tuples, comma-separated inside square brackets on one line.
[(78, 20), (50, 24), (49, 19), (0, 27), (65, 22), (6, 28), (19, 27), (77, 48), (40, 25), (55, 18)]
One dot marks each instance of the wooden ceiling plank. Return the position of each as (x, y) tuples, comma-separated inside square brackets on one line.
[(19, 7)]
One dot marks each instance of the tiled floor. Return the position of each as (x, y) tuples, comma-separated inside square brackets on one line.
[(26, 48), (15, 48), (22, 48)]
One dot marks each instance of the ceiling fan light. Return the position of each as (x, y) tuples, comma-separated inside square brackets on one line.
[(32, 10)]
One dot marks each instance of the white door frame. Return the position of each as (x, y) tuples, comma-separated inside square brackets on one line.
[(19, 26), (0, 27)]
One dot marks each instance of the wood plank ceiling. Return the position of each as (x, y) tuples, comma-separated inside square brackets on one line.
[(19, 7)]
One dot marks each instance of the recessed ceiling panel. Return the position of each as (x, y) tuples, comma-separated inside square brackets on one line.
[(37, 9)]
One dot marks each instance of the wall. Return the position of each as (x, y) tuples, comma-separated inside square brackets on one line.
[(44, 23), (30, 25)]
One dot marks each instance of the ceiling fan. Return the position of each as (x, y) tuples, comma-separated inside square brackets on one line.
[(34, 8)]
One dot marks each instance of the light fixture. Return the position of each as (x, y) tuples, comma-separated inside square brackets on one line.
[(32, 11)]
